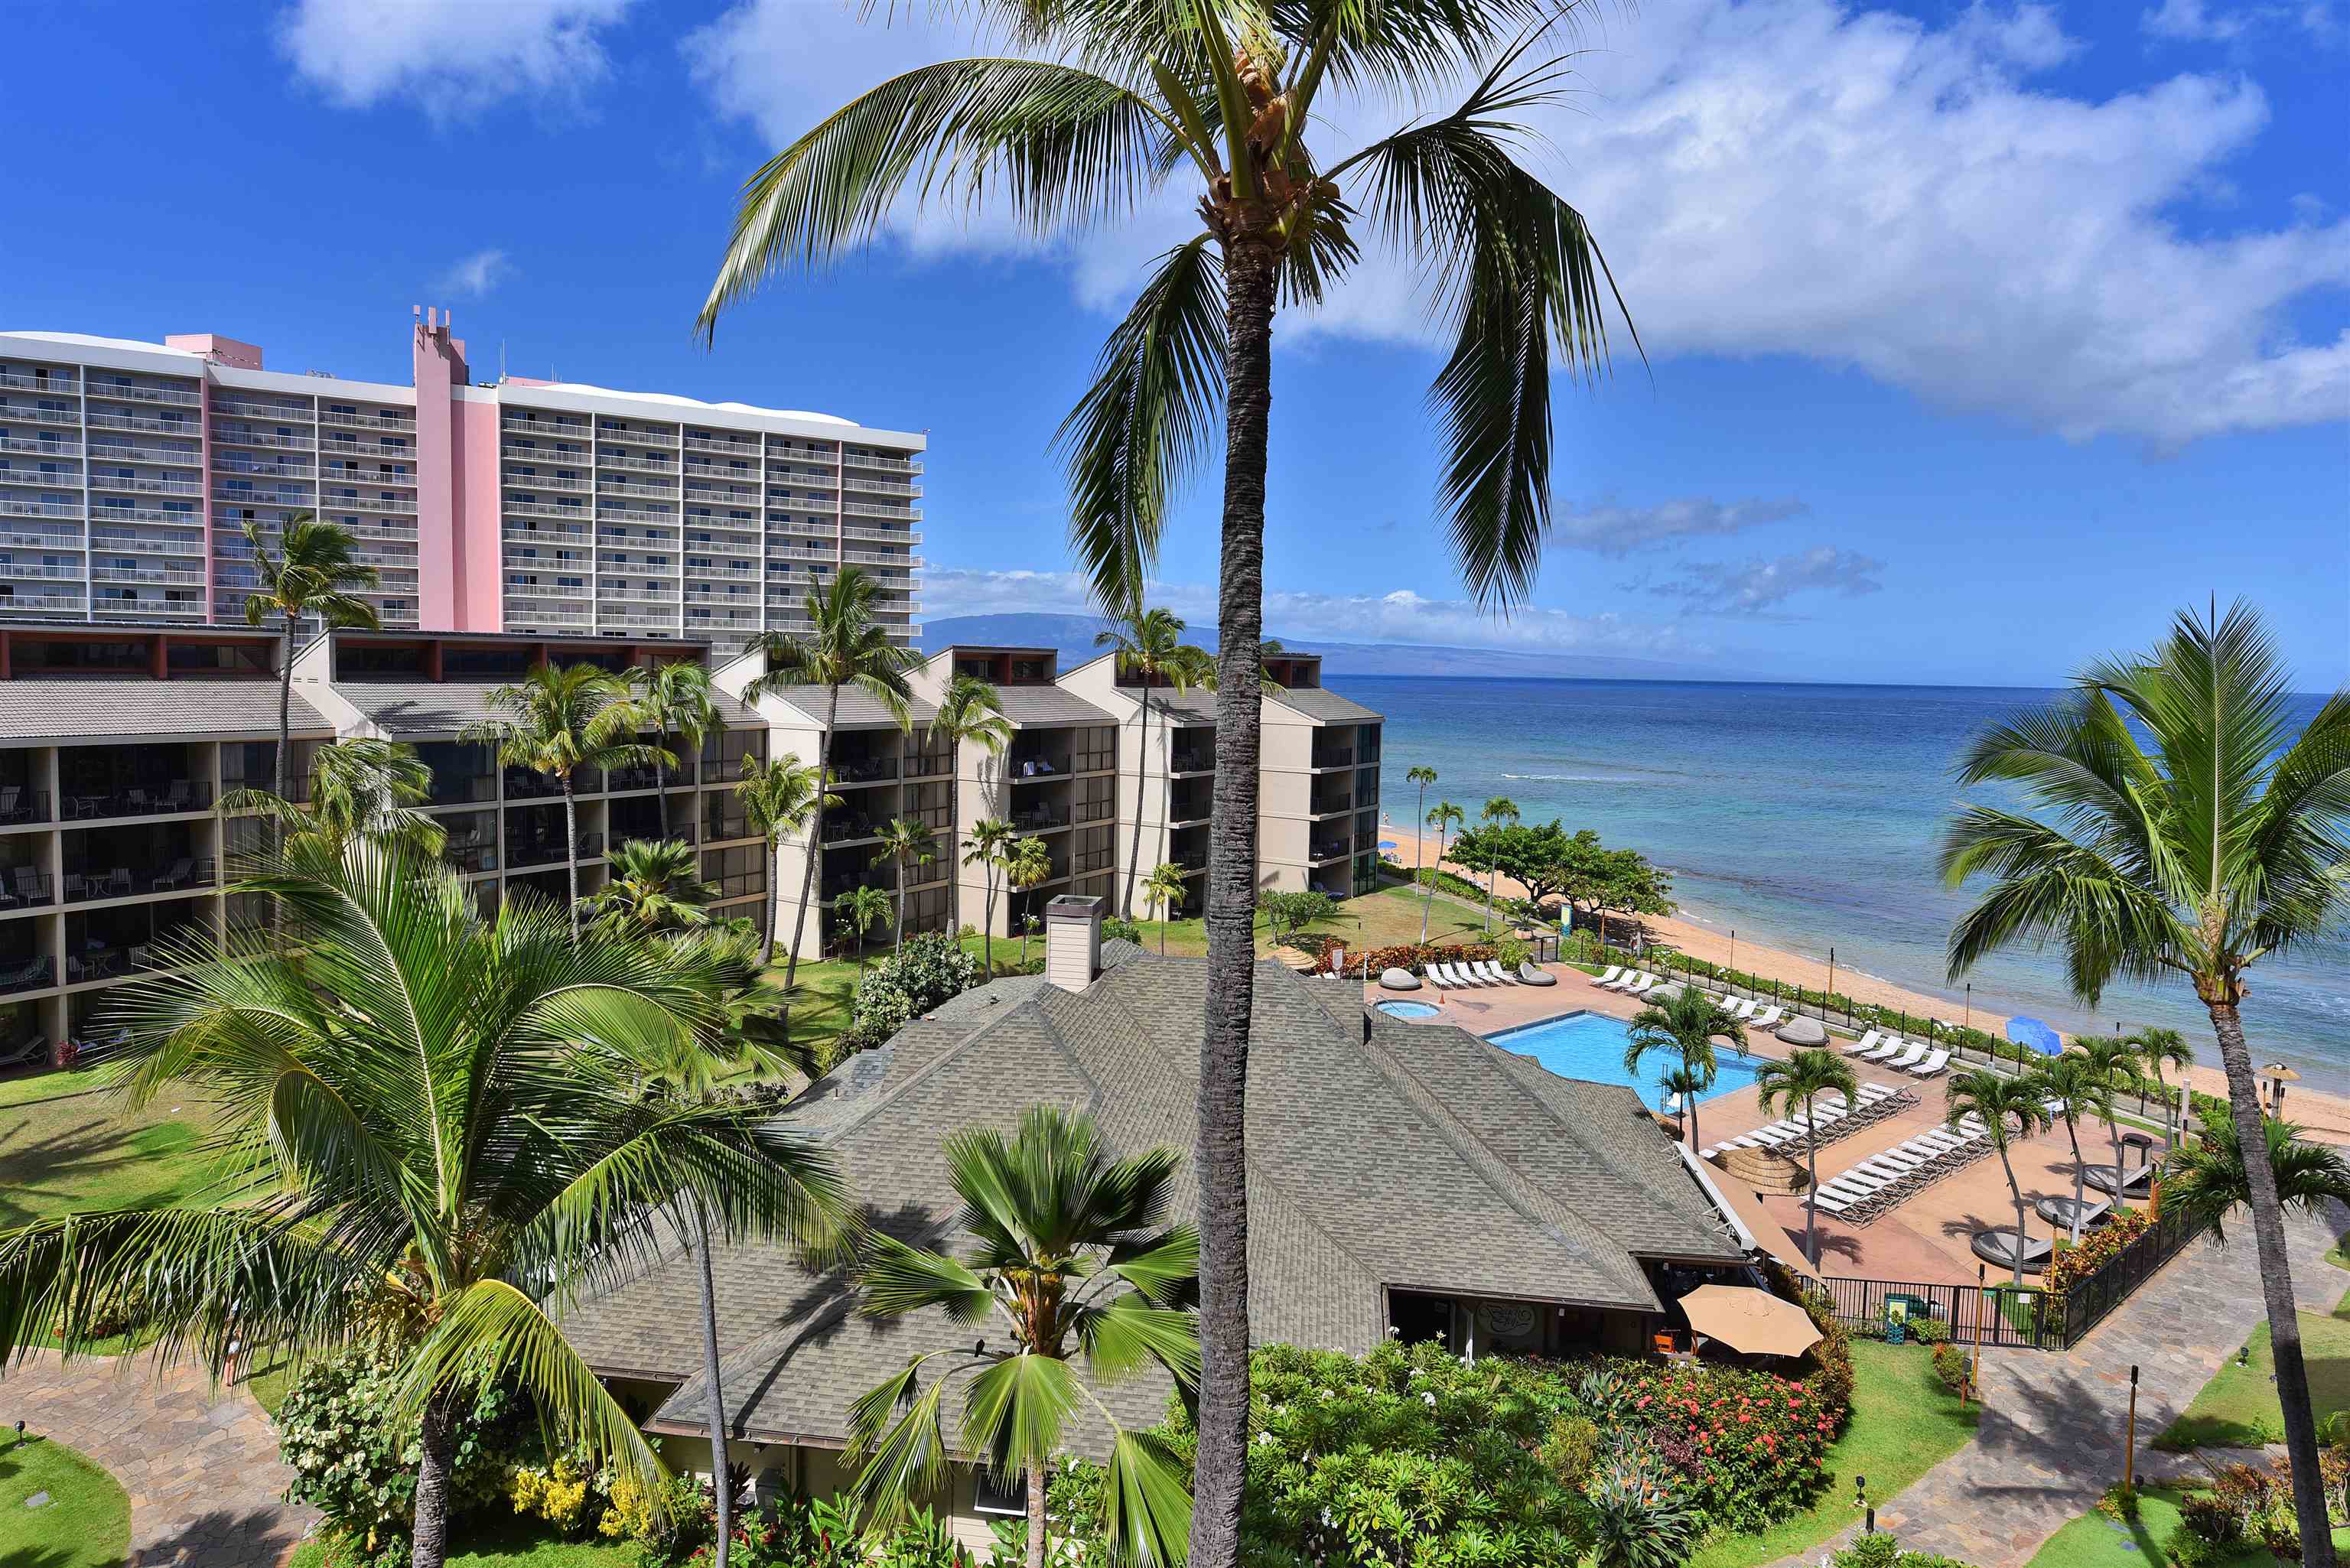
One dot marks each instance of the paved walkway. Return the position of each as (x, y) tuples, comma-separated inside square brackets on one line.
[(2051, 1438), (202, 1469)]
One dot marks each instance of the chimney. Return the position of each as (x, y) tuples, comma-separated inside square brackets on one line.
[(1072, 941)]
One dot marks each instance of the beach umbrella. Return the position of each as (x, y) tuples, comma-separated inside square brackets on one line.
[(1765, 1170), (2038, 1035), (1751, 1321), (1387, 844)]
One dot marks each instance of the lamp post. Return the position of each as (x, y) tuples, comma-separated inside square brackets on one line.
[(1733, 947), (1831, 989), (2129, 1443), (1970, 1004)]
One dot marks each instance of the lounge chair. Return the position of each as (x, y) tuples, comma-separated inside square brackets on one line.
[(32, 1050), (1999, 1249), (1768, 1017), (1865, 1043), (1742, 1008), (1886, 1046), (177, 876), (1827, 1205), (1917, 1051), (1625, 981), (1467, 974), (1529, 975), (2101, 1177), (1643, 985), (1443, 974), (1493, 970), (1615, 973), (1936, 1060), (2058, 1212)]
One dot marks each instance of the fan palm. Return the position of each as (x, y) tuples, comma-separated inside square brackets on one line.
[(2159, 1048), (1149, 647), (848, 647), (2209, 1180), (856, 913), (2220, 843), (1685, 1026), (557, 720), (1499, 810), (674, 697), (2076, 1086), (1122, 95), (430, 1124), (986, 847), (654, 887), (905, 842), (1802, 1079), (1997, 1100), (1162, 893), (1423, 776), (971, 713), (1074, 1263), (782, 798), (359, 788)]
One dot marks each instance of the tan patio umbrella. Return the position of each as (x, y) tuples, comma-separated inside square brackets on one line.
[(1752, 1322), (1765, 1170)]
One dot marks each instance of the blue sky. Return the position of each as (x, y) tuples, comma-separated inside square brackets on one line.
[(1981, 337)]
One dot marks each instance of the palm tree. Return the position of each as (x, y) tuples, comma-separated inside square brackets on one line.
[(2208, 1179), (1073, 1259), (858, 912), (1685, 1026), (1996, 1099), (905, 841), (1150, 648), (988, 847), (1423, 776), (1027, 863), (1443, 817), (1498, 810), (781, 799), (848, 647), (1119, 98), (2221, 844), (2159, 1048), (2077, 1087), (1801, 1080), (2114, 1062), (970, 713), (417, 1112), (359, 788), (674, 695), (557, 720), (1163, 892), (654, 887)]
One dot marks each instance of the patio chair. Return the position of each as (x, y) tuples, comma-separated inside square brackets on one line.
[(177, 876), (1865, 1043), (9, 797), (1738, 1007), (1529, 975), (1909, 1058), (118, 882), (1445, 977), (1936, 1060), (1615, 973), (1894, 1046), (182, 797), (1642, 986), (1768, 1018), (76, 886), (1827, 1205), (2101, 1177), (30, 1050), (1492, 970)]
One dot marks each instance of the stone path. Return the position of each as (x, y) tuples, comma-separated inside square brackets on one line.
[(2051, 1438), (202, 1469)]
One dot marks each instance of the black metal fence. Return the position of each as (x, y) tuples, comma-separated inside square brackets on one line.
[(2029, 1317)]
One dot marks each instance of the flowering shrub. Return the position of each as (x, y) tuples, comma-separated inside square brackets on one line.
[(2100, 1247), (1950, 1367), (1320, 945), (928, 968), (1751, 1444)]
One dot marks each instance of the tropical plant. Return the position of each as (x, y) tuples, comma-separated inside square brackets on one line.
[(1072, 1256), (1499, 811), (1423, 776), (988, 845), (847, 648), (432, 1128), (653, 886), (2159, 1048), (2113, 1061), (361, 787), (2074, 1085), (1288, 913), (1162, 894), (2207, 1178), (856, 913), (1641, 1516), (557, 720), (1802, 1079), (1149, 647), (782, 798), (905, 842), (1118, 98), (1997, 1100), (970, 713), (1027, 865), (1685, 1026), (2218, 843), (1443, 817), (673, 696)]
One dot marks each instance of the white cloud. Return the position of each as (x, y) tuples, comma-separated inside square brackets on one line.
[(476, 275), (1609, 529), (2204, 22), (1797, 177), (1758, 587), (452, 57)]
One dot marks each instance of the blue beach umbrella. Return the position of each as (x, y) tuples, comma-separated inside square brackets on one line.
[(1387, 844), (2038, 1035)]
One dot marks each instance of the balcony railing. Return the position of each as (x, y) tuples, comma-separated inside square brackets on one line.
[(256, 410), (1329, 804), (1330, 848), (227, 436), (531, 850), (608, 486), (25, 413), (1039, 819), (138, 573), (624, 779), (642, 464), (884, 877), (174, 456), (541, 481), (341, 502), (36, 571), (64, 385), (839, 829), (19, 805), (875, 459), (1188, 808), (717, 828), (1034, 767), (367, 421), (865, 770), (179, 795), (42, 604), (566, 429), (24, 889), (346, 474), (544, 509), (144, 394), (1335, 757), (275, 495), (636, 438), (135, 544), (10, 507), (1192, 763), (61, 448), (715, 443), (189, 871), (523, 784), (935, 765), (32, 975)]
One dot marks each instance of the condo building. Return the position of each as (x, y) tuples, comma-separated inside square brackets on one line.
[(128, 472)]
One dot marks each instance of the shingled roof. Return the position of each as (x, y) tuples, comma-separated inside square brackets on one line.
[(407, 708), (1382, 1155), (83, 708)]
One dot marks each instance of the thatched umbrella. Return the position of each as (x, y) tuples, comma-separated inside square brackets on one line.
[(1765, 1170)]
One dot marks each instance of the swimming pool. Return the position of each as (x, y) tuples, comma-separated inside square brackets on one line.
[(1407, 1008), (1590, 1046)]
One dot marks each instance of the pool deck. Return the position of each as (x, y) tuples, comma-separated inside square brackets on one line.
[(1923, 1242)]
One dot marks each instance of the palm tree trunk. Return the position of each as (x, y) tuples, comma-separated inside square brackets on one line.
[(1811, 1211), (1221, 1467), (774, 897), (987, 915), (898, 936), (2276, 1286), (1036, 1516), (716, 1396), (2016, 1193), (1420, 860), (436, 1474), (815, 834), (2078, 1193), (280, 768), (571, 847), (1141, 778), (954, 852)]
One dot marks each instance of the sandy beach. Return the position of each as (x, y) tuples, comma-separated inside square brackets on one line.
[(2324, 1117)]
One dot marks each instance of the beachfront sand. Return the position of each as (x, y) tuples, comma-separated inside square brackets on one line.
[(2324, 1117)]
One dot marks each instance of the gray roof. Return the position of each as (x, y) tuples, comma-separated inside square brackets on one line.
[(1381, 1155), (1321, 702), (122, 707), (859, 709), (403, 708), (1043, 707)]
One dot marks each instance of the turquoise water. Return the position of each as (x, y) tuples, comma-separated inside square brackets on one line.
[(1407, 1008), (1590, 1046), (1803, 817)]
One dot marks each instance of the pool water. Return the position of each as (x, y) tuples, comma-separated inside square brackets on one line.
[(1407, 1008), (1590, 1046)]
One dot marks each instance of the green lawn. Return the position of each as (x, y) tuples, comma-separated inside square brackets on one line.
[(2239, 1408), (66, 1145), (2093, 1540), (86, 1523), (1903, 1423), (503, 1541)]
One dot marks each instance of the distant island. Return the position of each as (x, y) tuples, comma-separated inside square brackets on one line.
[(1073, 636)]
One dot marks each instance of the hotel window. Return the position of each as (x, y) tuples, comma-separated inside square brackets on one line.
[(1097, 749)]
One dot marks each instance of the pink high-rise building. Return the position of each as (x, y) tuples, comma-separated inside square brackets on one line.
[(128, 472)]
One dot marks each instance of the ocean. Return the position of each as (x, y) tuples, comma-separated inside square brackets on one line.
[(1804, 816)]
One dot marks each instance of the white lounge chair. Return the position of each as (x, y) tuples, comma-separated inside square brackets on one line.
[(1452, 979), (1645, 985), (1767, 1017), (1909, 1058), (1936, 1060), (1865, 1043), (1894, 1046), (1615, 973), (1493, 972), (1827, 1205)]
